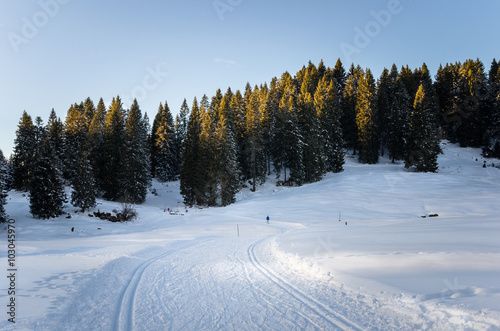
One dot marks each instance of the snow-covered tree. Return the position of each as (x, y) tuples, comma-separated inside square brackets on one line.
[(47, 194), (423, 140), (366, 120), (190, 178), (95, 144), (255, 157), (398, 126), (165, 151), (113, 148), (327, 107), (136, 176), (85, 190), (24, 151)]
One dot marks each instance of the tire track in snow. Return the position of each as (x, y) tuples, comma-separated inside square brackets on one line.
[(124, 310), (326, 313)]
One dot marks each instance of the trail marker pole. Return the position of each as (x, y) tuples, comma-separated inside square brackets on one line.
[(238, 229)]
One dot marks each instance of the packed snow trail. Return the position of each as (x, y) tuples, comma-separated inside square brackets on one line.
[(213, 283), (318, 308)]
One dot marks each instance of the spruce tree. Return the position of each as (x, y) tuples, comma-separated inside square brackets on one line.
[(255, 144), (136, 176), (47, 195), (75, 133), (471, 104), (85, 189), (94, 144), (366, 120), (237, 106), (327, 108), (113, 147), (399, 122), (349, 101), (24, 153), (228, 169), (55, 134), (384, 96), (445, 85), (339, 77), (166, 151), (313, 152), (181, 125), (207, 166), (189, 177), (269, 109), (293, 140), (88, 112), (423, 140)]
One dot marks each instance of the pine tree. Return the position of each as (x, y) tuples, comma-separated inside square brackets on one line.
[(228, 170), (94, 144), (167, 158), (85, 190), (287, 141), (89, 111), (136, 177), (339, 77), (293, 140), (55, 134), (75, 134), (255, 145), (207, 157), (313, 157), (366, 120), (269, 109), (47, 194), (399, 122), (423, 141), (181, 125), (327, 108), (153, 147), (114, 138), (237, 106), (40, 132), (190, 178), (349, 101), (24, 151), (444, 86), (4, 174), (385, 94), (471, 104)]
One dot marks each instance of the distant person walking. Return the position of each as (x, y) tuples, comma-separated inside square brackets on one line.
[(267, 219)]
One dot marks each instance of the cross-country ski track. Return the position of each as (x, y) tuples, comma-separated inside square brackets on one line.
[(269, 298), (352, 252)]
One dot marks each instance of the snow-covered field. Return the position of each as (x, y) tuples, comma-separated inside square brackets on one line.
[(387, 269)]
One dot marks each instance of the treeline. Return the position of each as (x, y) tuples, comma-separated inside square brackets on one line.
[(298, 127)]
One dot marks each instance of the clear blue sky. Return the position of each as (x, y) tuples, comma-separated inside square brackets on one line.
[(58, 52)]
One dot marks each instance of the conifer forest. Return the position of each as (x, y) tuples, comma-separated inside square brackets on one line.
[(295, 127)]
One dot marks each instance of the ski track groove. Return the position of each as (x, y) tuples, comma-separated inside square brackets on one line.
[(126, 299), (270, 305), (317, 307)]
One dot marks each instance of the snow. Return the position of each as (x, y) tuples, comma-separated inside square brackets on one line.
[(387, 269)]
